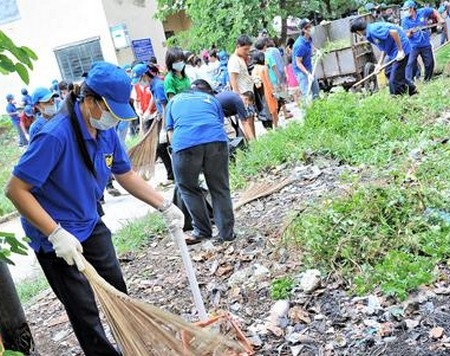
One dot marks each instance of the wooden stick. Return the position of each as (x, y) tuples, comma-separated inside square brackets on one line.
[(373, 74)]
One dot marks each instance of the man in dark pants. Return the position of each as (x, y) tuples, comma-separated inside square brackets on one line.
[(195, 125), (419, 37), (393, 43)]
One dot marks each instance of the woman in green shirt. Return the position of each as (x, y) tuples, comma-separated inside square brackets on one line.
[(176, 79)]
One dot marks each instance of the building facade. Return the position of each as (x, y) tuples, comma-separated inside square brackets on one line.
[(68, 36)]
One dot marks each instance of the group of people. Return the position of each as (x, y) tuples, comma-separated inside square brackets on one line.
[(402, 45)]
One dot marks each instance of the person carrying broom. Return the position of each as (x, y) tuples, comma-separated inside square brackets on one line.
[(56, 184)]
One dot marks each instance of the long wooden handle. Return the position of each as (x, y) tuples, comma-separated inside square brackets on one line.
[(373, 74)]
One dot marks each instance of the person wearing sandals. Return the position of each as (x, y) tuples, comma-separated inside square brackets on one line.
[(195, 125)]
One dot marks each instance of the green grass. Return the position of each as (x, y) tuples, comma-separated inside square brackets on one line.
[(281, 288), (8, 158), (442, 58), (377, 235), (29, 288), (135, 234)]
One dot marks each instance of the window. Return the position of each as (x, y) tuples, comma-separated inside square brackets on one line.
[(10, 11), (76, 59)]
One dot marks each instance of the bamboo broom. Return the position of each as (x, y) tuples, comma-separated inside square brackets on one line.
[(144, 330), (143, 154), (260, 190)]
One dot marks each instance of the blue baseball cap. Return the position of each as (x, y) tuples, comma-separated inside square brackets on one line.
[(138, 71), (114, 86), (42, 95), (409, 4), (28, 110)]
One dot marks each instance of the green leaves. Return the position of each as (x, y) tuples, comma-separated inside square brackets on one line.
[(281, 288), (15, 59), (9, 245)]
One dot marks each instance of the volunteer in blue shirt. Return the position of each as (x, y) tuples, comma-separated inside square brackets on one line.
[(195, 124), (44, 101), (302, 61), (414, 23), (56, 186), (147, 76), (13, 113), (393, 43)]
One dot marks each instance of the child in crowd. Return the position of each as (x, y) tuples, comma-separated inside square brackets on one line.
[(261, 78), (292, 82)]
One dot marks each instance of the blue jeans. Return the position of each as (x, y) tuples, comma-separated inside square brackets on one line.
[(212, 160), (22, 139), (303, 83), (428, 61)]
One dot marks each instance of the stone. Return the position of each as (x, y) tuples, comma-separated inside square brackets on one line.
[(310, 280)]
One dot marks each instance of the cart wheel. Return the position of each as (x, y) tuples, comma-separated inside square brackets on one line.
[(371, 85)]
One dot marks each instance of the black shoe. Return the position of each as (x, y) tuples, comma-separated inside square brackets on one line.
[(231, 238)]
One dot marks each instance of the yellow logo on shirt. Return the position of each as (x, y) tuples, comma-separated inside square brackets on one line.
[(109, 160)]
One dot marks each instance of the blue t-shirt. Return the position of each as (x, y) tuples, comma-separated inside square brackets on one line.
[(10, 110), (26, 100), (276, 54), (232, 104), (378, 34), (420, 38), (158, 93), (61, 181), (302, 48), (37, 125), (196, 118)]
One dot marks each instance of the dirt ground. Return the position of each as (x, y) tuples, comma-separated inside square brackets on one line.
[(236, 277)]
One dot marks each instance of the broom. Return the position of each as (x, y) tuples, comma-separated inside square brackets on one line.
[(144, 330), (143, 154), (260, 190)]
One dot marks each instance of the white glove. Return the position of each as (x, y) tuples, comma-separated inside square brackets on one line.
[(173, 217), (310, 77), (400, 56), (67, 246)]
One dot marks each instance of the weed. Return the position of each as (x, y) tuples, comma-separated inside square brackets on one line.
[(136, 234), (281, 288), (30, 288)]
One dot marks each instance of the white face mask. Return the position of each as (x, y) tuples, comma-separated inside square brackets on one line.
[(48, 110), (106, 121), (144, 83), (178, 66)]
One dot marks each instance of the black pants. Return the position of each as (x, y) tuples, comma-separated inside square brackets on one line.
[(163, 153), (398, 83), (74, 291)]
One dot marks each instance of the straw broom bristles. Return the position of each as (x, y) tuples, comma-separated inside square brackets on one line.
[(143, 154), (260, 190), (144, 330)]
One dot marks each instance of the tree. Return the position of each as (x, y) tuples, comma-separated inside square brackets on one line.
[(220, 22), (14, 329)]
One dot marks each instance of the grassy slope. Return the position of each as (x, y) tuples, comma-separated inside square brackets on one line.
[(378, 235)]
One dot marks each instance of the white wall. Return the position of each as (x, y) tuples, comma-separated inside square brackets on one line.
[(138, 17), (48, 24)]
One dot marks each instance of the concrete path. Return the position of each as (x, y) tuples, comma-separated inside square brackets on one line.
[(118, 211)]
